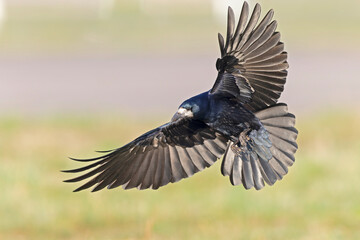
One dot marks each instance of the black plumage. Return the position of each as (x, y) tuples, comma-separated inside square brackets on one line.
[(238, 118)]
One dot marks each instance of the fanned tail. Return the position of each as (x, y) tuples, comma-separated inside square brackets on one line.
[(268, 152)]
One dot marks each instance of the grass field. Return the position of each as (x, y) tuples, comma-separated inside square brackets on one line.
[(318, 199), (178, 28)]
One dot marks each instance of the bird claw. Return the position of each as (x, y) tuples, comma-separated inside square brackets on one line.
[(244, 137)]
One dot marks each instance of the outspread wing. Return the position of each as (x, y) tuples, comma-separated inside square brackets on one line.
[(166, 154), (253, 64)]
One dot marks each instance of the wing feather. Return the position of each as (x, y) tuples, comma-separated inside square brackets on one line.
[(250, 26), (241, 24), (166, 154), (167, 174), (259, 56), (230, 28), (258, 33), (159, 171), (254, 57)]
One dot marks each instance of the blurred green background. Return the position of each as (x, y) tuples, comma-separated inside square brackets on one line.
[(78, 76)]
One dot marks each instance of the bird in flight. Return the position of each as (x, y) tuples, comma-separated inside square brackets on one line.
[(238, 119)]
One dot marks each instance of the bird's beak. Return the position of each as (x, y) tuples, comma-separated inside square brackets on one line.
[(181, 113), (176, 117)]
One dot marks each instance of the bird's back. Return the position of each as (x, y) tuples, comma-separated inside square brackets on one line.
[(230, 117)]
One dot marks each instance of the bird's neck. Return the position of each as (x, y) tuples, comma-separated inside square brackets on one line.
[(201, 105)]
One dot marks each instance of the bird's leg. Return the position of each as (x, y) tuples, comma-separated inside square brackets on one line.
[(240, 143), (243, 138)]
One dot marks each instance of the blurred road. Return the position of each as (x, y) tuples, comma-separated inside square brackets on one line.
[(148, 84)]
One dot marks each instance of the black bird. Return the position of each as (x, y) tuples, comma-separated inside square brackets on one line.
[(239, 117)]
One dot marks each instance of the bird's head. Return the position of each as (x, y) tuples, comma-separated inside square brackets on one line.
[(186, 110), (194, 107)]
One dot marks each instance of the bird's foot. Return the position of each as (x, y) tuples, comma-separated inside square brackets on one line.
[(240, 145), (244, 137), (244, 140)]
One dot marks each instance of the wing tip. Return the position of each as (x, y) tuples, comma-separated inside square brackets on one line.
[(86, 159), (257, 5), (77, 190), (221, 44)]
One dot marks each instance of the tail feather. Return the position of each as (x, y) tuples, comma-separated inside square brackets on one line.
[(277, 110), (265, 161), (228, 161), (236, 171), (258, 179), (248, 180), (268, 172)]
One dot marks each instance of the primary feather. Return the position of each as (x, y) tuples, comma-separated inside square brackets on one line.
[(254, 56)]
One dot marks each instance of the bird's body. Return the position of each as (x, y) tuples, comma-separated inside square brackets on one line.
[(230, 117), (225, 115), (238, 118)]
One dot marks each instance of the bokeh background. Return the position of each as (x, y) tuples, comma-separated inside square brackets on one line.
[(78, 76)]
